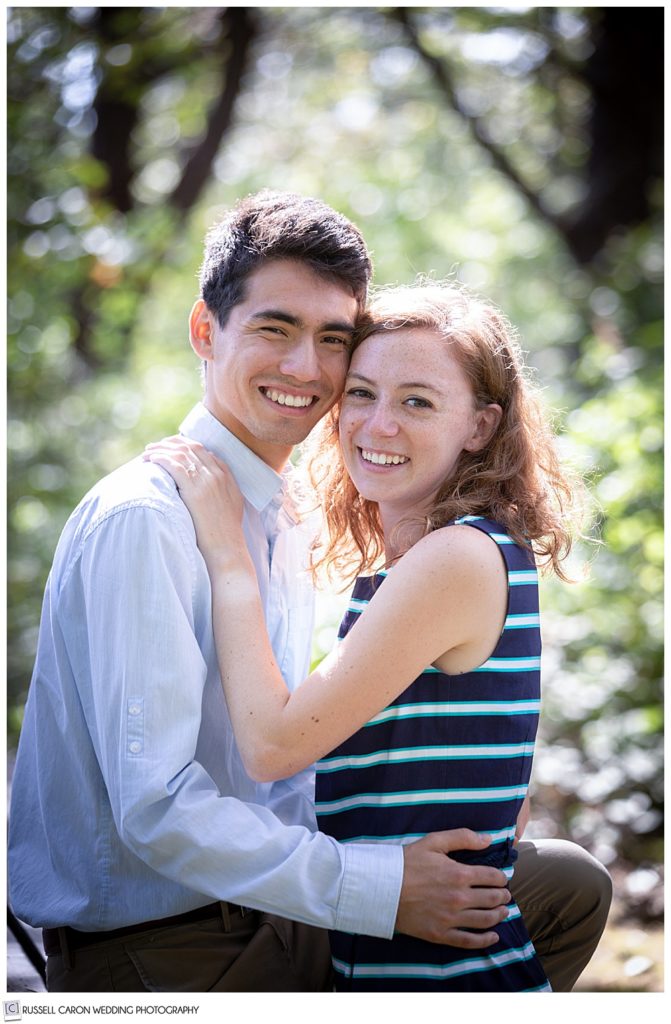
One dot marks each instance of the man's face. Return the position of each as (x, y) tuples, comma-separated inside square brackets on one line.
[(279, 363)]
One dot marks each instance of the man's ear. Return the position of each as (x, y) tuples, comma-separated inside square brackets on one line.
[(486, 422), (201, 330)]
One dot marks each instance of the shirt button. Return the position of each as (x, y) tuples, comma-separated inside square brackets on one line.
[(134, 709), (135, 747)]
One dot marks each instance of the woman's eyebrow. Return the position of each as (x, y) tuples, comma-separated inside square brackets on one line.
[(420, 384)]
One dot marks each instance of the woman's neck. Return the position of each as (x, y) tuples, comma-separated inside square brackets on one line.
[(399, 534)]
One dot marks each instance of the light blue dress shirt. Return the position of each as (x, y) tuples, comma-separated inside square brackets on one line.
[(129, 799)]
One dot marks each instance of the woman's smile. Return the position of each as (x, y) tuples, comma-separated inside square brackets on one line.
[(382, 459)]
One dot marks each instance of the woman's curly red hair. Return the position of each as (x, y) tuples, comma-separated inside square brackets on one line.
[(517, 479)]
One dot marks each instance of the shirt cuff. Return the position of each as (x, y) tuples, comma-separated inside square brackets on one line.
[(371, 889)]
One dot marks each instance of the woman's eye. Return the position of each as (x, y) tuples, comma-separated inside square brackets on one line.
[(418, 403), (358, 393)]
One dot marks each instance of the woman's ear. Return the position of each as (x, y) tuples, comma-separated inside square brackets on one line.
[(486, 422), (201, 330)]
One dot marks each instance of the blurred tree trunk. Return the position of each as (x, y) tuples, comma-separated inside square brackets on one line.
[(625, 76), (117, 107), (626, 126), (238, 32), (119, 100)]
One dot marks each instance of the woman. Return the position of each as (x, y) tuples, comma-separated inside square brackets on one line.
[(437, 463)]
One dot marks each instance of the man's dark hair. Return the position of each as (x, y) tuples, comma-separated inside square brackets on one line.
[(280, 225)]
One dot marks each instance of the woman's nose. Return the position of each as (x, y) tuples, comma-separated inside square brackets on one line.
[(382, 421)]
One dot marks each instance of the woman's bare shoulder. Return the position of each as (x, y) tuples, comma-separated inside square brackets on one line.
[(452, 547)]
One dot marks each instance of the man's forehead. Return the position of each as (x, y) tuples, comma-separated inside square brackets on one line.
[(288, 288)]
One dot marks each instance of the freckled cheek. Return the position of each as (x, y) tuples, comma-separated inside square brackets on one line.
[(344, 437), (345, 433), (433, 451)]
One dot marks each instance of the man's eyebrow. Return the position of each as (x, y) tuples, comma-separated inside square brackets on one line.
[(276, 314), (341, 327), (403, 385)]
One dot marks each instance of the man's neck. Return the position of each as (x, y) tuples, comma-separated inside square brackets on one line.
[(274, 455)]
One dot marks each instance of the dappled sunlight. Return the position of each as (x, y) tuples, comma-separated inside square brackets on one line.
[(466, 143)]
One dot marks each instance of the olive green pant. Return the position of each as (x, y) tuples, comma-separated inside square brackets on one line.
[(564, 895)]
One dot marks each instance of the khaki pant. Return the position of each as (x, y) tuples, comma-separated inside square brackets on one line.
[(253, 952), (564, 895)]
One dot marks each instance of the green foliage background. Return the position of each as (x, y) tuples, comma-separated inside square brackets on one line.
[(337, 102)]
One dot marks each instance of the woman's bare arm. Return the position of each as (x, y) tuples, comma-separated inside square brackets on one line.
[(434, 600)]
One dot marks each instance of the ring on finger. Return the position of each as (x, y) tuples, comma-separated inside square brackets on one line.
[(191, 469)]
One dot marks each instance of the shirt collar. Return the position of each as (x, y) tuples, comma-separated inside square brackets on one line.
[(258, 482)]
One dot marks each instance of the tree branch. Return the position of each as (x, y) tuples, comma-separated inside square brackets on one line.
[(443, 80), (240, 31)]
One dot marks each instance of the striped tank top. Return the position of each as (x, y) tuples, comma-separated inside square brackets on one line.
[(452, 751)]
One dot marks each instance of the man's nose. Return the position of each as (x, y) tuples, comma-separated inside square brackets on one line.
[(301, 360)]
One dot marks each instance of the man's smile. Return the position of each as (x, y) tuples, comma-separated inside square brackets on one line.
[(287, 399)]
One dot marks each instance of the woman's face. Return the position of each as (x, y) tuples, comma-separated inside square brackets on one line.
[(408, 412)]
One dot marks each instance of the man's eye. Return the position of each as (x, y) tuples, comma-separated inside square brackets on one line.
[(333, 339)]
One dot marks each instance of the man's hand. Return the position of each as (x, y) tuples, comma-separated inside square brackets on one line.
[(440, 897)]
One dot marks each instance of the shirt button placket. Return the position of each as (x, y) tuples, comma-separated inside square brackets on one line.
[(135, 725)]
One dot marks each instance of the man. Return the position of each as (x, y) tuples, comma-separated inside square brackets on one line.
[(137, 841)]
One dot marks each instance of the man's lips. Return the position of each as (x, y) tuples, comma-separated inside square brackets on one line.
[(289, 399)]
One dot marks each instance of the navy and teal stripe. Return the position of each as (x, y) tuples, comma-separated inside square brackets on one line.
[(434, 753), (505, 835), (435, 709), (468, 965), (420, 796)]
